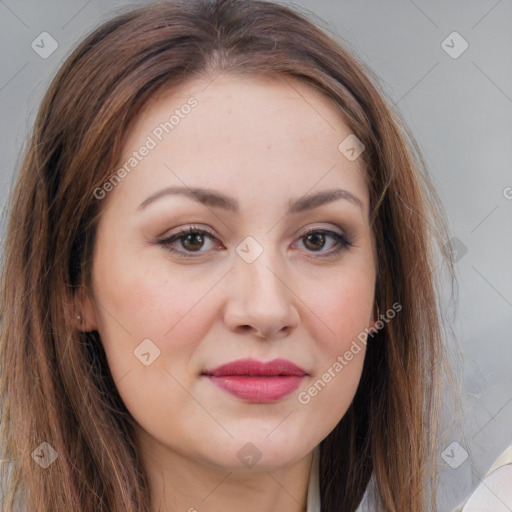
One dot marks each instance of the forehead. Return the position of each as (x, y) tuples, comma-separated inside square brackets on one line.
[(268, 107), (241, 133)]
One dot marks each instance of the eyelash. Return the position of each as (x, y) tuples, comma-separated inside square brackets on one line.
[(343, 243)]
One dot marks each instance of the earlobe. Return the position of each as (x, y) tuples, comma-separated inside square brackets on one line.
[(84, 316)]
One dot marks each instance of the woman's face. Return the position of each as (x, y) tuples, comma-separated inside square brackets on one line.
[(249, 282)]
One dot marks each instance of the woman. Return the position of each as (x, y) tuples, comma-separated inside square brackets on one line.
[(218, 288)]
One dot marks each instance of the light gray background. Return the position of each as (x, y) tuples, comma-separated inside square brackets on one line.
[(459, 110)]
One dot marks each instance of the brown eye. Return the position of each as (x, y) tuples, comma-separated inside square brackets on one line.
[(315, 241), (192, 242)]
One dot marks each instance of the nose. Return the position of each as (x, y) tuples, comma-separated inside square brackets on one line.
[(261, 299)]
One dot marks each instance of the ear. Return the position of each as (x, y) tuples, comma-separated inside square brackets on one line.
[(83, 306)]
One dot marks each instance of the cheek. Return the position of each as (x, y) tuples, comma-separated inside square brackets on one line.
[(342, 308), (340, 315), (150, 298), (146, 310), (139, 301), (330, 392)]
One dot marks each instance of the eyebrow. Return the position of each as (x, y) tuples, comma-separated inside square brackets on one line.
[(216, 199)]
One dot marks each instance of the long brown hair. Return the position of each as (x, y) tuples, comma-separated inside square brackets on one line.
[(55, 384)]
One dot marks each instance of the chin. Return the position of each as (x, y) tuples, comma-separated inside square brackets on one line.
[(249, 454)]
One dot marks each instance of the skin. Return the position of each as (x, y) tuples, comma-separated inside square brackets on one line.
[(263, 142)]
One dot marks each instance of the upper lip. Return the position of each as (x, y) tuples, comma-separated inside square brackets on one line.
[(253, 367)]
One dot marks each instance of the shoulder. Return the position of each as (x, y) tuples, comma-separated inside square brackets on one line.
[(494, 494)]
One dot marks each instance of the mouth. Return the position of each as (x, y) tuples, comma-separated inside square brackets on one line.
[(255, 381)]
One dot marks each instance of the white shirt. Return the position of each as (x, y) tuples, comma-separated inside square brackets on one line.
[(494, 494), (314, 483)]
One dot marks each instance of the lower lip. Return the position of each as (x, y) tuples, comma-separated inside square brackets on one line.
[(259, 390)]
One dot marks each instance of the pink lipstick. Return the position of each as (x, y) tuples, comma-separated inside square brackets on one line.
[(254, 381)]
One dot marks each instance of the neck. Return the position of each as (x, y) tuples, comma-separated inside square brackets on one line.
[(182, 484)]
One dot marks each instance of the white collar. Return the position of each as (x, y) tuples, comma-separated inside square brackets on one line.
[(314, 483), (494, 492)]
